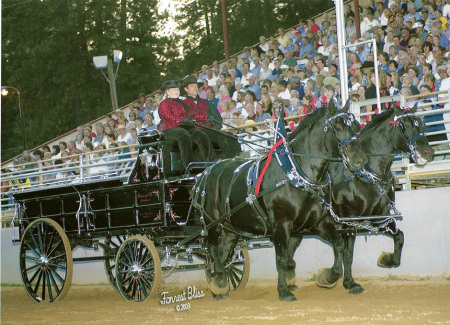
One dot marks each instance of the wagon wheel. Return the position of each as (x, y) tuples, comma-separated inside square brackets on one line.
[(46, 264), (138, 269), (111, 246), (237, 268)]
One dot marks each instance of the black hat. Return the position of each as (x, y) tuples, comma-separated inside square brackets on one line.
[(367, 64), (169, 84), (189, 80)]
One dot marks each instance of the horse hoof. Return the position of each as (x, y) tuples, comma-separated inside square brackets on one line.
[(216, 290), (386, 260), (323, 282), (289, 297), (221, 297), (356, 290), (292, 287)]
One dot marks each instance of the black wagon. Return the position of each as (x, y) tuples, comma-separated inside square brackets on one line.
[(137, 221)]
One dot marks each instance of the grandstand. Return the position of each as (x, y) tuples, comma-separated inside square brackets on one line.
[(295, 71)]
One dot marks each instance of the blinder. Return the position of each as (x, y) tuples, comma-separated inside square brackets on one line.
[(418, 124)]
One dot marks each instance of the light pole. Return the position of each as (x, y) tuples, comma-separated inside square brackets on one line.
[(22, 124), (102, 62)]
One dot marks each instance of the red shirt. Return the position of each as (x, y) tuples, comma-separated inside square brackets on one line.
[(200, 108), (172, 113)]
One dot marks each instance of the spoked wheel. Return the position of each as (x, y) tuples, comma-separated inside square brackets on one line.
[(138, 269), (112, 244), (237, 268), (46, 264)]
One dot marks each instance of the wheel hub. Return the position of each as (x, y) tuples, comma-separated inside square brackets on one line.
[(43, 262), (136, 270)]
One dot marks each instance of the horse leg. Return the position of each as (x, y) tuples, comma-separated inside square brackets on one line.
[(219, 285), (389, 260), (349, 282), (294, 243), (328, 277), (281, 243)]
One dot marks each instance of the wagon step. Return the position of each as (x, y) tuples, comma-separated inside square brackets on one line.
[(362, 218)]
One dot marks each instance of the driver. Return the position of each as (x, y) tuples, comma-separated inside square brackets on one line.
[(208, 116)]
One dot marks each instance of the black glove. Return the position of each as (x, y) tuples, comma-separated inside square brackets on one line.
[(188, 121)]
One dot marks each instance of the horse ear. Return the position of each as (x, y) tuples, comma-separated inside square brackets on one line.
[(414, 108), (282, 114), (331, 108), (346, 106), (397, 109)]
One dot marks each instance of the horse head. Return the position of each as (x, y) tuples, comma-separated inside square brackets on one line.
[(345, 130), (411, 135)]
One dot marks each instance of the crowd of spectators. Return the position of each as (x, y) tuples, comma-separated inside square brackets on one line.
[(296, 71)]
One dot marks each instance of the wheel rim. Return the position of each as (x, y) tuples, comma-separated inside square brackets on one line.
[(46, 264), (113, 243), (138, 269), (237, 269)]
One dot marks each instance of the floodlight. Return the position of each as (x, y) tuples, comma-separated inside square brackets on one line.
[(117, 56), (100, 62)]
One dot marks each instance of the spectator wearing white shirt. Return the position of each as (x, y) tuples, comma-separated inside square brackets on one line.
[(123, 135)]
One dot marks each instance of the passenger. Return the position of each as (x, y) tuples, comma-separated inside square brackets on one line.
[(177, 123)]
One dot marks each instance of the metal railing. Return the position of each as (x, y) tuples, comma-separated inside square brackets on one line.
[(115, 163)]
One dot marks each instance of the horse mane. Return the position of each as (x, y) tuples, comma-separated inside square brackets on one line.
[(376, 121), (308, 121)]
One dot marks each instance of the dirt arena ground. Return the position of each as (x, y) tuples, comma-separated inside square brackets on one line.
[(384, 302)]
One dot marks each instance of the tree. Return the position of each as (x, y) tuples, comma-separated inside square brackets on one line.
[(47, 53)]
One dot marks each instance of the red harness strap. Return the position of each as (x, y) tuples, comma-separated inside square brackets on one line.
[(269, 157)]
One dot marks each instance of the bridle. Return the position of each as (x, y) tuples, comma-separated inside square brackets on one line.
[(410, 141), (349, 118)]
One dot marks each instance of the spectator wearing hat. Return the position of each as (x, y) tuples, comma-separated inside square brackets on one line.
[(406, 36), (248, 149), (296, 85), (297, 38), (123, 135)]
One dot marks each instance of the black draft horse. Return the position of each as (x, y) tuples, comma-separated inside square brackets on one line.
[(281, 209), (370, 192)]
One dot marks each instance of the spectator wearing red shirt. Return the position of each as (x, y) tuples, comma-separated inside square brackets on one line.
[(312, 25)]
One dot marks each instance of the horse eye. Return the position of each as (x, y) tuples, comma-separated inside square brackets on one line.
[(338, 128)]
